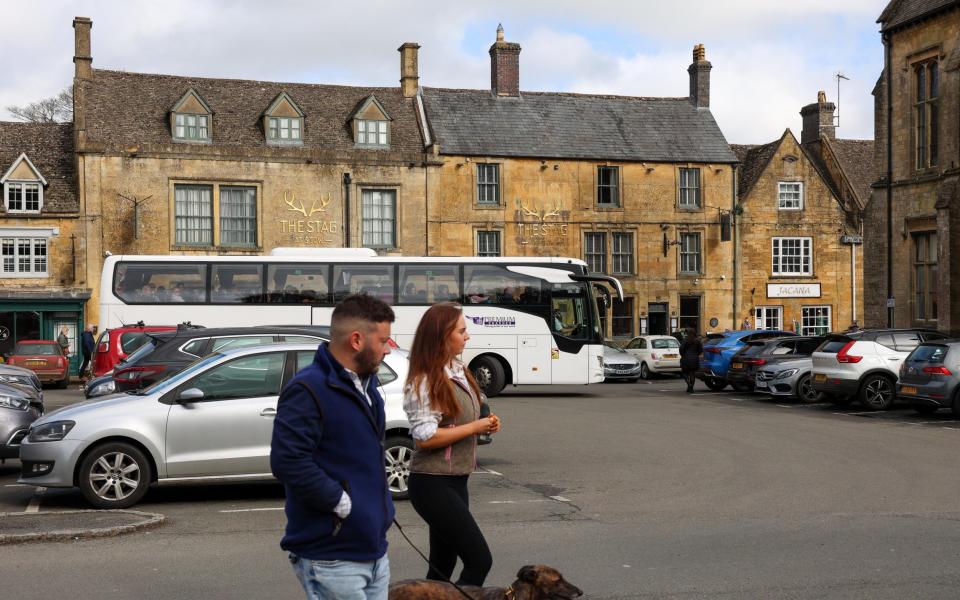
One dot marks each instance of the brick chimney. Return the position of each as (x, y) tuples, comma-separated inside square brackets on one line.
[(504, 66), (409, 74), (699, 71), (818, 120), (82, 59)]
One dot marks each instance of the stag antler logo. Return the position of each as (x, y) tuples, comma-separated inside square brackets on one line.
[(542, 214), (290, 199)]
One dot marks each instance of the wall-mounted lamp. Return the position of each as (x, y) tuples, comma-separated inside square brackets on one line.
[(696, 282)]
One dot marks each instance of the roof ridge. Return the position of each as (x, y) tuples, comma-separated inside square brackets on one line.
[(569, 94), (238, 80)]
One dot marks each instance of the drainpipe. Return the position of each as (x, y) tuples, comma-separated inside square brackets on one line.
[(346, 210), (888, 46), (853, 278), (735, 218)]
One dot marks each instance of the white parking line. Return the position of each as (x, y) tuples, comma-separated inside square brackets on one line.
[(482, 470), (241, 510), (16, 485), (516, 501), (34, 505), (559, 498)]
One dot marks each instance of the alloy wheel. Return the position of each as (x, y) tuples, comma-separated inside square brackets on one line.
[(878, 393), (114, 476), (398, 468)]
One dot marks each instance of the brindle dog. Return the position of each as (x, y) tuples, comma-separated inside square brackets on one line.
[(537, 582)]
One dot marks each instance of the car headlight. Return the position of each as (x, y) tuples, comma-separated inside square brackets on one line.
[(19, 379), (785, 374), (14, 403), (107, 387), (50, 432)]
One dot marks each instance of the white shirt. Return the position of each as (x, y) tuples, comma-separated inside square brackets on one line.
[(424, 420)]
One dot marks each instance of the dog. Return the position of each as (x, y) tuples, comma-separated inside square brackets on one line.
[(534, 582)]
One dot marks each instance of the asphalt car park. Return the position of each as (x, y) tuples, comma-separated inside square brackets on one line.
[(631, 490)]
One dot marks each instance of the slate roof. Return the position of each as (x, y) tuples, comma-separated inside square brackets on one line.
[(49, 146), (856, 160), (753, 160), (132, 109), (575, 126), (899, 13)]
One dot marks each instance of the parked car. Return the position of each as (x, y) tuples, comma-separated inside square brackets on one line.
[(45, 358), (19, 407), (791, 375), (189, 344), (105, 384), (20, 376), (656, 353), (718, 351), (183, 429), (929, 377), (618, 364), (116, 344), (865, 364), (750, 359)]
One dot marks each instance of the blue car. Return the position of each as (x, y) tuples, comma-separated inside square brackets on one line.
[(718, 350)]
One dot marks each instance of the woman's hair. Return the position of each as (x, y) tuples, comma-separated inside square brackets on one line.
[(430, 353), (691, 333)]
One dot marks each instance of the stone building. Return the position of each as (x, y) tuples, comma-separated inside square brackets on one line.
[(914, 213), (800, 203), (189, 165), (42, 287), (638, 187)]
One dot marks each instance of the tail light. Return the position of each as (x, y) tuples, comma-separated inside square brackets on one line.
[(712, 350), (843, 357), (61, 360), (937, 371), (392, 343), (136, 374), (759, 361), (103, 347), (653, 355)]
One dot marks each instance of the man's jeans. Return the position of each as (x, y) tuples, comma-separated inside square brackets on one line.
[(343, 579)]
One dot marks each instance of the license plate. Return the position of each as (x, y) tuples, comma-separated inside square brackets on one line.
[(820, 377), (622, 371), (36, 363), (761, 384), (908, 390), (737, 366), (671, 356)]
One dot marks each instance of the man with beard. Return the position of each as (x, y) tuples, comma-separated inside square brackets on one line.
[(327, 451)]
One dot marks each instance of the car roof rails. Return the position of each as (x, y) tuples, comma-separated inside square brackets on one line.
[(188, 325)]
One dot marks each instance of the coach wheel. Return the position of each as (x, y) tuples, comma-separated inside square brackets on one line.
[(398, 452), (489, 375), (114, 475)]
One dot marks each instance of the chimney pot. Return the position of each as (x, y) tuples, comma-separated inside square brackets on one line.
[(82, 58), (504, 66), (699, 71), (818, 120), (409, 69)]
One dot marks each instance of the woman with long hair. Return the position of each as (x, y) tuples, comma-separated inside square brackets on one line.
[(690, 351), (442, 402)]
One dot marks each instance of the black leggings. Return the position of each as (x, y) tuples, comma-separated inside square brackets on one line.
[(442, 501), (690, 376)]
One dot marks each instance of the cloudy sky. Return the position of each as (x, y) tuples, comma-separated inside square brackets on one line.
[(769, 58)]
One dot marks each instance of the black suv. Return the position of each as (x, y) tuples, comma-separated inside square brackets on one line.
[(174, 351), (756, 354)]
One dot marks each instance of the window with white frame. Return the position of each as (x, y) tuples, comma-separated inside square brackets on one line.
[(622, 253), (238, 216), (23, 256), (284, 129), (792, 256), (769, 317), (488, 243), (690, 188), (608, 187), (191, 127), (488, 183), (691, 260), (379, 218), (372, 133), (23, 196), (815, 320), (193, 215), (595, 252), (790, 195)]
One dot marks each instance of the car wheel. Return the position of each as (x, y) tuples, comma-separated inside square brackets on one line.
[(925, 409), (742, 387), (114, 475), (715, 383), (644, 371), (489, 375), (398, 450), (805, 391), (876, 392)]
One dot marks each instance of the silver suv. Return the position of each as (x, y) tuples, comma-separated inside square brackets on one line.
[(864, 364)]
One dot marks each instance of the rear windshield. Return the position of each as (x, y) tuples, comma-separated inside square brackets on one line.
[(129, 342), (36, 350), (928, 354), (665, 343), (714, 341), (142, 351), (752, 350), (833, 345)]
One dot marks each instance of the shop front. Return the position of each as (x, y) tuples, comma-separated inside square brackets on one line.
[(42, 320)]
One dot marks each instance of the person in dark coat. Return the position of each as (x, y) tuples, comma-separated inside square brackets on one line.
[(690, 351), (87, 346)]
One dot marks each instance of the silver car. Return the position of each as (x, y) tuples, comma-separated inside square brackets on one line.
[(619, 364), (790, 378), (20, 405), (211, 422)]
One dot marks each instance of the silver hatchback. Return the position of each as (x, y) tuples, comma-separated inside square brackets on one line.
[(211, 422)]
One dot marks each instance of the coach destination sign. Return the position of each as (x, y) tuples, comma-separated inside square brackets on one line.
[(793, 290)]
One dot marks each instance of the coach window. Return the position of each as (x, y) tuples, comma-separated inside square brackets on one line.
[(426, 284), (496, 285), (154, 283), (236, 283), (296, 284), (377, 281)]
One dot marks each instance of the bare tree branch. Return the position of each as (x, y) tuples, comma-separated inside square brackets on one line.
[(56, 109)]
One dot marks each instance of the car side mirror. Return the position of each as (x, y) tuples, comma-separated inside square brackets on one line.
[(190, 395)]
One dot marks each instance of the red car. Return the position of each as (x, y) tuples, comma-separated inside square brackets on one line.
[(45, 358), (115, 344)]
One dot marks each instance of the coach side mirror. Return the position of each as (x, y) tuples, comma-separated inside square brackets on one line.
[(190, 395)]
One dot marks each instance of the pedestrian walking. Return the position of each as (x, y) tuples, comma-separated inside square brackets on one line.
[(87, 346), (64, 340), (690, 351), (327, 451), (746, 325), (443, 405)]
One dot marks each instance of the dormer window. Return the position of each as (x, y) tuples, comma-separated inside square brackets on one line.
[(371, 124), (23, 187), (283, 122), (190, 119)]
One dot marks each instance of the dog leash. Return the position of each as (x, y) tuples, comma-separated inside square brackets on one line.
[(427, 560)]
